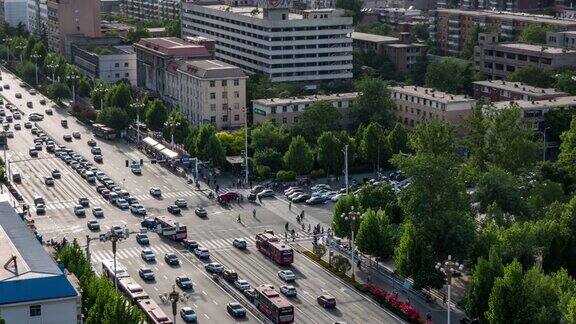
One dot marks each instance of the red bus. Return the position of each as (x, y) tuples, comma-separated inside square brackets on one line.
[(108, 269), (271, 247), (153, 312), (274, 306), (131, 289), (170, 228)]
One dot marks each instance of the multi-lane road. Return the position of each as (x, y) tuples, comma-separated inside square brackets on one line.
[(215, 232)]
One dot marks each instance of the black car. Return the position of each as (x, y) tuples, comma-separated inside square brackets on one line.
[(236, 309), (230, 275), (171, 259), (173, 209), (190, 244), (100, 188), (184, 282), (250, 294)]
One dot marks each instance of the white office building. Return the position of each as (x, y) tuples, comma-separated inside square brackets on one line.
[(310, 45), (37, 16), (14, 12)]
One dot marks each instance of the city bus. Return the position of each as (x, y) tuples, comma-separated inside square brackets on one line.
[(108, 269), (170, 228), (270, 246), (103, 131), (275, 307), (131, 289), (153, 312)]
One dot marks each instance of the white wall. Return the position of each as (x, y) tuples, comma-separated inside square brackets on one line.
[(60, 311), (15, 12), (110, 73)]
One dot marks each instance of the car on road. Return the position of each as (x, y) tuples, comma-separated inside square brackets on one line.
[(142, 239), (27, 125), (236, 309), (132, 200), (240, 243), (91, 142), (184, 282), (315, 200), (257, 189), (230, 275), (17, 126), (6, 86), (301, 198), (326, 301), (10, 134), (117, 230), (97, 212), (43, 101), (155, 192), (171, 259), (16, 177), (173, 209), (98, 158), (84, 201), (241, 284), (250, 294), (148, 255), (266, 193), (288, 290), (64, 123), (49, 181), (76, 135), (227, 197), (202, 252), (100, 188), (18, 95), (189, 244), (122, 203), (286, 275), (35, 117), (214, 267), (96, 150), (200, 212), (33, 152), (67, 137), (188, 314), (146, 273), (48, 111), (40, 209), (181, 203), (79, 210), (93, 225), (106, 193), (137, 209), (32, 91)]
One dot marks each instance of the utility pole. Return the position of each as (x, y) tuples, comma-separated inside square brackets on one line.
[(73, 77), (174, 296), (352, 216), (139, 105), (346, 166), (448, 268), (246, 144), (36, 56)]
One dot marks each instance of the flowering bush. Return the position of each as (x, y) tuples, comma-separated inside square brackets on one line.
[(392, 301)]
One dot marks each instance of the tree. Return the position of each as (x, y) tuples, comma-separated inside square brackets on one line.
[(566, 81), (417, 74), (374, 103), (329, 152), (299, 157), (269, 157), (534, 75), (484, 274), (380, 197), (172, 28), (180, 131), (374, 27), (155, 115), (233, 141), (567, 156), (420, 32), (135, 34), (471, 41), (58, 91), (208, 147), (374, 146), (374, 234), (120, 95), (84, 88), (534, 34), (319, 117), (269, 135), (27, 71), (502, 188), (449, 75), (39, 49), (98, 93), (398, 140), (434, 138), (114, 117), (353, 6), (340, 225)]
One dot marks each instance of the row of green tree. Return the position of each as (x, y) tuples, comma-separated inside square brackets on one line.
[(101, 302)]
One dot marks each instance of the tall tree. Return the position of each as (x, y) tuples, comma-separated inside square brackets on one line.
[(535, 34), (566, 81), (114, 117), (269, 157), (484, 274), (269, 135), (319, 117), (120, 95), (156, 115), (180, 131), (374, 103), (374, 234), (534, 75), (173, 28), (398, 140), (135, 34), (299, 157), (449, 75), (341, 226), (374, 145), (502, 188), (329, 152)]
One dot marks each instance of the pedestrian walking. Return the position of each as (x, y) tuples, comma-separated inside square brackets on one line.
[(254, 213), (239, 220), (309, 228), (290, 205), (302, 215), (303, 226), (260, 199)]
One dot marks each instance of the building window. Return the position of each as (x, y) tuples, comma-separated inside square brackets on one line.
[(212, 84), (284, 120), (295, 119), (236, 117), (225, 118), (35, 310), (212, 107), (224, 83), (212, 119), (224, 95), (339, 104), (236, 94), (125, 64), (117, 75), (273, 110), (236, 106), (212, 95), (116, 64), (294, 108), (126, 75), (236, 82), (284, 109)]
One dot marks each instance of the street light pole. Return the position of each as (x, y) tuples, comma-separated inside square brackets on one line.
[(448, 268), (346, 166), (73, 77), (174, 296), (246, 145), (6, 41), (353, 216), (36, 56), (20, 48)]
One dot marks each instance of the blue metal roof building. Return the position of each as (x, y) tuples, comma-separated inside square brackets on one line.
[(33, 288)]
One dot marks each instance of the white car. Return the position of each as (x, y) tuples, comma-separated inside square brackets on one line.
[(288, 290), (202, 252), (79, 210), (148, 255), (241, 284), (337, 196), (214, 267), (138, 209), (321, 186), (286, 275), (188, 314)]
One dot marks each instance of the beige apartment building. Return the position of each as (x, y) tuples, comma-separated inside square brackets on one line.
[(71, 17), (501, 90), (498, 60), (287, 111), (532, 112), (417, 104), (402, 52), (208, 91)]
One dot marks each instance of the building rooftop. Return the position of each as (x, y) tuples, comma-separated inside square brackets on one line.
[(400, 45), (32, 274), (519, 87), (513, 16), (432, 94), (307, 99), (211, 69), (172, 46), (108, 49), (539, 104), (249, 11), (536, 48), (374, 38)]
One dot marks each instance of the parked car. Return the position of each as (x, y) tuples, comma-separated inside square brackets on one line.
[(315, 200), (301, 198), (241, 284), (326, 301), (137, 209), (266, 193), (230, 275)]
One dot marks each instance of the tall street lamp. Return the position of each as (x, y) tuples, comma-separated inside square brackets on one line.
[(448, 268), (73, 77), (172, 124), (52, 68), (246, 144), (36, 56), (101, 91), (345, 151), (137, 105), (352, 216), (6, 41), (20, 48)]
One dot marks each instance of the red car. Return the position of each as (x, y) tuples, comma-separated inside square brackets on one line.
[(227, 197)]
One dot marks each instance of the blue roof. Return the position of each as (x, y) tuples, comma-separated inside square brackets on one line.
[(38, 277)]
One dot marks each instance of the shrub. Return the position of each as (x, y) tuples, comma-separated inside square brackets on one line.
[(319, 250), (341, 263), (317, 173), (283, 175)]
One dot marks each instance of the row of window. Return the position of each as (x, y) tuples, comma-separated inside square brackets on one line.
[(224, 106), (224, 83), (419, 112), (224, 95), (118, 64), (499, 67), (418, 100), (519, 57)]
